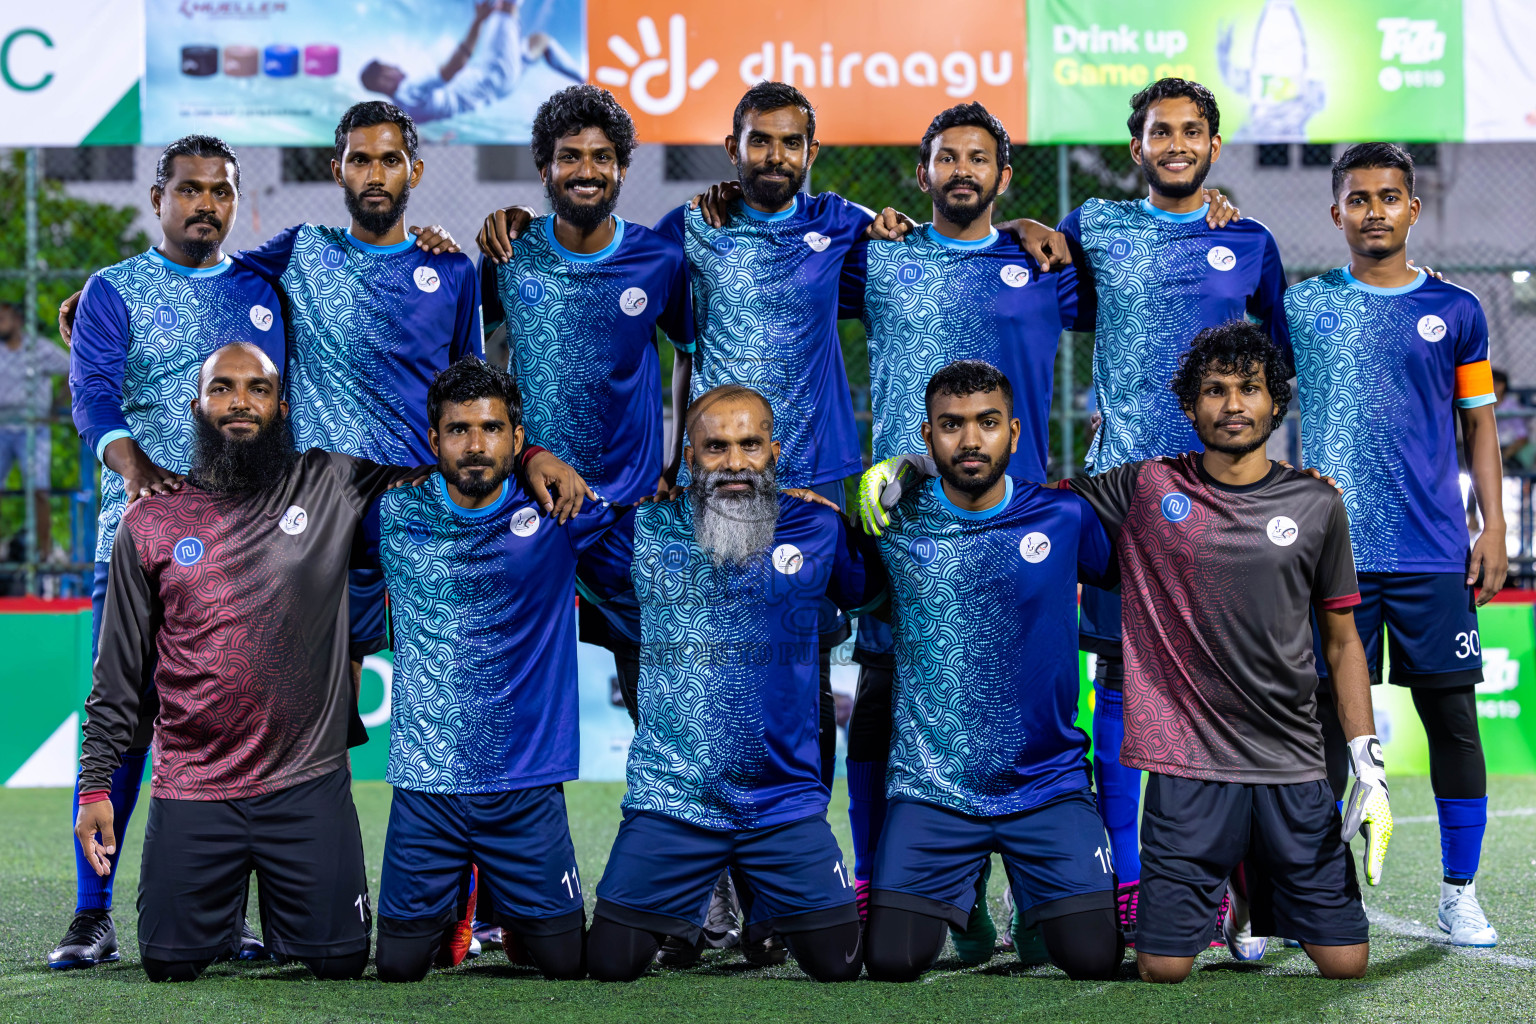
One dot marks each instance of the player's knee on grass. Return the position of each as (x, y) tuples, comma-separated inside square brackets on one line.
[(1085, 945), (174, 970), (405, 949), (902, 944), (1339, 962), (1163, 970), (338, 968), (616, 952), (560, 957), (829, 954)]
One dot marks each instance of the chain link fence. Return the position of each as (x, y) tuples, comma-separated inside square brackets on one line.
[(67, 213)]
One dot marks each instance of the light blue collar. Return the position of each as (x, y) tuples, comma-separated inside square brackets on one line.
[(176, 268), (970, 245), (1371, 289), (473, 513), (937, 486), (794, 208), (358, 243), (585, 257), (1176, 218)]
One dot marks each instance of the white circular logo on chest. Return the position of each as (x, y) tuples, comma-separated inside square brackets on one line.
[(787, 559), (1033, 547), (633, 301), (261, 318), (427, 279), (817, 241), (1431, 327), (1221, 258), (294, 521), (1282, 531), (525, 521), (1013, 275)]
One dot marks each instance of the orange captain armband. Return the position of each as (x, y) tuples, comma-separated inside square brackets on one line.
[(1474, 385)]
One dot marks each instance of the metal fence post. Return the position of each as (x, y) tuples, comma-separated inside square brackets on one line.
[(29, 332), (1066, 390)]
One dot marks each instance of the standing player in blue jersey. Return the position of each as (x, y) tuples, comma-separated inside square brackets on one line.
[(582, 292), (484, 715), (987, 756), (955, 288), (141, 329), (1388, 359), (725, 769)]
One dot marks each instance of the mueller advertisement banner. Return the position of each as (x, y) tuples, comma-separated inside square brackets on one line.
[(877, 70), (280, 72), (1282, 70)]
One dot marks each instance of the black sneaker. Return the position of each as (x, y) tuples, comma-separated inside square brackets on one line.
[(678, 955), (251, 946), (769, 952), (722, 925), (90, 940)]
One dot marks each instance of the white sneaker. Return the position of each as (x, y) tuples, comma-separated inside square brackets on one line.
[(1463, 918), (1006, 938), (1237, 929)]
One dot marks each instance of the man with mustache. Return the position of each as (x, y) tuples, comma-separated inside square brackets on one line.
[(484, 724), (725, 768), (141, 329), (229, 596), (987, 755), (1384, 353)]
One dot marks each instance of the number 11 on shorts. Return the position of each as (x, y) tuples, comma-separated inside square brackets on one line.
[(572, 882), (837, 869)]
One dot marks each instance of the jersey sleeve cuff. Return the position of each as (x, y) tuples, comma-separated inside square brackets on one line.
[(95, 796), (1475, 402), (108, 438), (530, 451), (1338, 604)]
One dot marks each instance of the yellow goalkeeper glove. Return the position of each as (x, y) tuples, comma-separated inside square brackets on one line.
[(883, 486), (1369, 811)]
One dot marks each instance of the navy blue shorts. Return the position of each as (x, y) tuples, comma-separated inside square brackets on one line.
[(367, 612), (662, 872), (520, 841), (1098, 626), (610, 623), (930, 859), (1300, 875), (1431, 625), (876, 645)]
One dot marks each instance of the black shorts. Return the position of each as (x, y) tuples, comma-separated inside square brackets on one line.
[(1300, 875), (307, 852)]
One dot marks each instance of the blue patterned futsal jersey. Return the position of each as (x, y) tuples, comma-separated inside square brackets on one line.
[(765, 303), (1381, 371), (369, 328), (482, 603), (730, 691), (142, 329), (928, 300), (1158, 279), (582, 335), (984, 612)]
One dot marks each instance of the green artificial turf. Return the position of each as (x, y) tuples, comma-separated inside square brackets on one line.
[(1414, 978)]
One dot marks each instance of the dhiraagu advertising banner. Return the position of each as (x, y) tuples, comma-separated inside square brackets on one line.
[(1281, 70)]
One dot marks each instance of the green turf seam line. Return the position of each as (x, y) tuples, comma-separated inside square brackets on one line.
[(1414, 930)]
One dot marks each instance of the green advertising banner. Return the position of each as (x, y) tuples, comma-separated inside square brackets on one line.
[(1281, 70)]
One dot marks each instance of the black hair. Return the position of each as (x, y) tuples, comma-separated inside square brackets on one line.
[(972, 114), (1237, 346), (1373, 154), (765, 96), (372, 112), (574, 109), (967, 377), (194, 145), (469, 380), (1168, 88), (1499, 376)]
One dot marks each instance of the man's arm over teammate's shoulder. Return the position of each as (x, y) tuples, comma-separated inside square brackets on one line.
[(1096, 562), (676, 316), (362, 480), (852, 281), (1267, 303), (606, 556), (271, 258), (858, 571), (1108, 494), (672, 225), (494, 313)]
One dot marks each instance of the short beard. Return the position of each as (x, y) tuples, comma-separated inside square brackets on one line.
[(581, 216), (199, 250), (1238, 450), (226, 465), (735, 529), (764, 194), (962, 216), (472, 487), (972, 485), (1175, 190), (377, 222)]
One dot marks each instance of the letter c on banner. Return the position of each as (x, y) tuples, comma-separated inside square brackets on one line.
[(386, 672), (5, 60)]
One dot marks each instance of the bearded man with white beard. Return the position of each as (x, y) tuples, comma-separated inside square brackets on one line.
[(725, 768)]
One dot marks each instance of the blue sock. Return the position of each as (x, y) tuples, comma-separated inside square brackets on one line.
[(866, 812), (92, 892), (1117, 788), (1462, 823)]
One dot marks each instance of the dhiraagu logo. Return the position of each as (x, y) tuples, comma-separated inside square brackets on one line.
[(1176, 507), (638, 73)]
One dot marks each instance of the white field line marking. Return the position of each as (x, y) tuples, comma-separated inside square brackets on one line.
[(1430, 819), (1409, 929)]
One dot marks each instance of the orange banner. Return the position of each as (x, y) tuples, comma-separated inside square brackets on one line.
[(877, 70)]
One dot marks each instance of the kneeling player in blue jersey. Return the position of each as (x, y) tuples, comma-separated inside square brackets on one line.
[(483, 725), (725, 769), (986, 756)]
